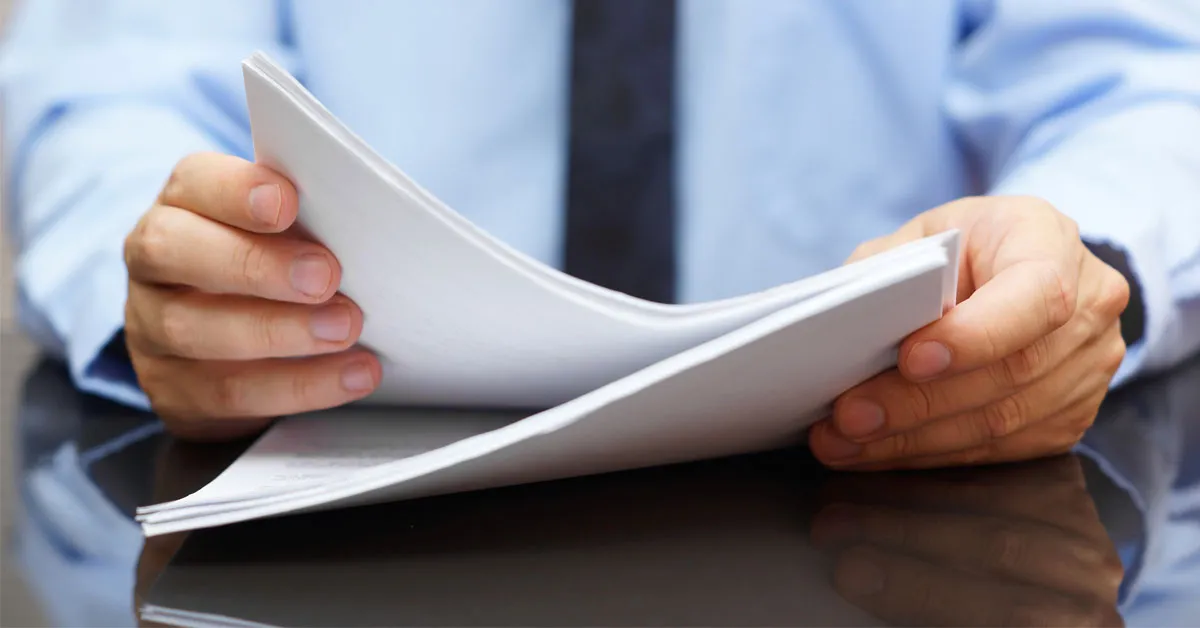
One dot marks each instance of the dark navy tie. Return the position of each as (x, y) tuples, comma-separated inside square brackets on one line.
[(620, 223)]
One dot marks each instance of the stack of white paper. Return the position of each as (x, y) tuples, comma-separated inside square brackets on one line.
[(463, 321)]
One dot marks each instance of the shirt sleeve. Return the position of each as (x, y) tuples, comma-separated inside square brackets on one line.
[(102, 98), (1094, 106)]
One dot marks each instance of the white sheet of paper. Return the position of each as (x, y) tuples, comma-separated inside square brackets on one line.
[(321, 447), (460, 318), (701, 403)]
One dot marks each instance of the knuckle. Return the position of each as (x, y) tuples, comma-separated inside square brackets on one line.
[(251, 261), (902, 445), (149, 244), (1023, 367), (1002, 417), (175, 190), (1009, 371), (228, 394), (147, 376), (270, 334), (977, 455), (305, 391), (177, 331), (1059, 296), (1114, 296), (164, 404), (156, 382), (1112, 571), (922, 400), (139, 336), (130, 249), (1115, 355), (1070, 225)]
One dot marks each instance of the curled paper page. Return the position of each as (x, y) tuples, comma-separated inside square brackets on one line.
[(459, 317), (478, 331)]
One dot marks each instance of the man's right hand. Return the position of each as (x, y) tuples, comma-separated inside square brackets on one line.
[(232, 320)]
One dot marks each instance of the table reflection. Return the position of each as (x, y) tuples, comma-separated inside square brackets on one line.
[(769, 539), (1012, 546)]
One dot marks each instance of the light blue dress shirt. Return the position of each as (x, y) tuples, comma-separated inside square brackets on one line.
[(806, 127)]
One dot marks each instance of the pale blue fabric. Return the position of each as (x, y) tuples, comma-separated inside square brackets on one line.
[(806, 127)]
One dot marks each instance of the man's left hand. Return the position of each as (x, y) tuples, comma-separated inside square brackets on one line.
[(1016, 370)]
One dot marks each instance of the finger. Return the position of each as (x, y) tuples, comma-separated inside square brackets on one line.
[(1011, 311), (908, 233), (1081, 376), (903, 590), (953, 215), (173, 246), (974, 430), (1032, 553), (190, 390), (1024, 445), (889, 403), (1025, 260), (197, 325), (232, 191)]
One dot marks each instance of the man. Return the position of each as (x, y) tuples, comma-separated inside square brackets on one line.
[(714, 146)]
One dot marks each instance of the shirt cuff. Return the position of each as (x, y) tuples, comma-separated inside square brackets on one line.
[(74, 210), (97, 358), (87, 310)]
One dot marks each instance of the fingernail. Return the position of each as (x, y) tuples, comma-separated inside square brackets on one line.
[(836, 523), (837, 448), (928, 359), (859, 577), (265, 201), (357, 378), (311, 274), (859, 418), (331, 323)]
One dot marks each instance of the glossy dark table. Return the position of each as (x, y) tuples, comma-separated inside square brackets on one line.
[(1106, 536)]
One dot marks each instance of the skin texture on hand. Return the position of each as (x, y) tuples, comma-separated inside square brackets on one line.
[(1017, 546), (233, 318), (1016, 370)]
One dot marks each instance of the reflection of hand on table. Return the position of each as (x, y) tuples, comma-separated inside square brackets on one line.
[(1002, 546)]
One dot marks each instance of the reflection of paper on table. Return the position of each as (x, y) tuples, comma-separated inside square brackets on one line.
[(464, 321), (722, 543)]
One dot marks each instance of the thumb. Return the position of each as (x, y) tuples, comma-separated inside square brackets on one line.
[(914, 229), (957, 214)]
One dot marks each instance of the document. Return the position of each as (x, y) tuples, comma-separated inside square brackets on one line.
[(501, 370)]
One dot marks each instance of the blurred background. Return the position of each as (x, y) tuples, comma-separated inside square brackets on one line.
[(6, 274), (19, 606)]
